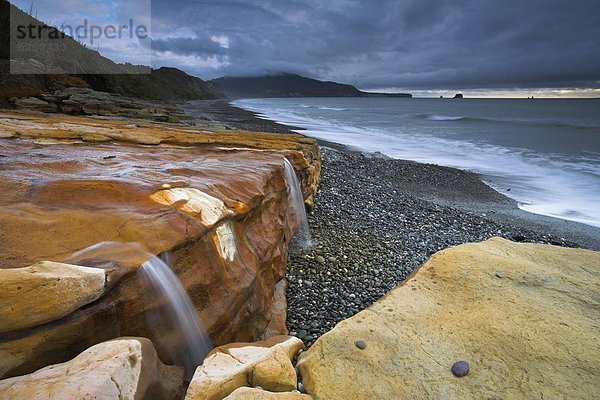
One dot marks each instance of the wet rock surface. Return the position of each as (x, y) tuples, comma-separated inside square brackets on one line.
[(371, 229), (532, 334), (216, 203)]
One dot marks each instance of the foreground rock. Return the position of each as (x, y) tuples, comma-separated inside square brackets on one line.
[(246, 393), (215, 202), (266, 364), (523, 316), (122, 369), (44, 292), (85, 101)]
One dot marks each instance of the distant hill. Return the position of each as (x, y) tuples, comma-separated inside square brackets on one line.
[(290, 85), (168, 84)]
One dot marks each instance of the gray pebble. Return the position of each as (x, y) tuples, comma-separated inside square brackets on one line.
[(460, 368), (360, 344), (378, 232)]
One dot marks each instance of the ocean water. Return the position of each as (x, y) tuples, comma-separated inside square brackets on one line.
[(544, 153)]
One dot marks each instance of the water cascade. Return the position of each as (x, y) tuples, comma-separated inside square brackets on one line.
[(172, 317), (302, 240), (174, 320)]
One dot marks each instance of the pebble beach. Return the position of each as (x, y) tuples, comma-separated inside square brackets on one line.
[(377, 219)]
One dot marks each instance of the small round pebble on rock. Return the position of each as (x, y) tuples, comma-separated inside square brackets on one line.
[(460, 368), (360, 344)]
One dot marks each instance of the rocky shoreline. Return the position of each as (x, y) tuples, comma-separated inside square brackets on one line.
[(376, 219), (214, 202)]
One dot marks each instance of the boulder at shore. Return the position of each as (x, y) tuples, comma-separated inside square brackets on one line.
[(266, 364), (246, 393), (523, 316), (121, 369), (46, 291)]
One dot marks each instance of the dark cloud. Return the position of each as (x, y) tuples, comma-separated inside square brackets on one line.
[(415, 44)]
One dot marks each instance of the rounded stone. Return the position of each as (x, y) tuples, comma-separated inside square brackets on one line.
[(460, 369), (360, 344)]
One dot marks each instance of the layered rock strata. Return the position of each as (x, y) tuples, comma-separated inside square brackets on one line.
[(216, 202), (85, 101)]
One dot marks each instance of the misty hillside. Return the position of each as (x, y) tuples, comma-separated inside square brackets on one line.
[(284, 85), (290, 85)]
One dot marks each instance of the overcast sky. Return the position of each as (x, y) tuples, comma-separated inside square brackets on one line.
[(394, 44)]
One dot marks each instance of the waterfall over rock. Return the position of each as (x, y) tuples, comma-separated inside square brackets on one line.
[(171, 315), (302, 240)]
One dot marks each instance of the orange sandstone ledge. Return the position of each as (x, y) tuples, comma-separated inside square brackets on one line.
[(216, 201), (87, 129), (59, 128)]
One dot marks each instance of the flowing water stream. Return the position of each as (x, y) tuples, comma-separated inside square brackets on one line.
[(171, 316), (302, 240)]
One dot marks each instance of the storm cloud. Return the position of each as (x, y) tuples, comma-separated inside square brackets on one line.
[(416, 44)]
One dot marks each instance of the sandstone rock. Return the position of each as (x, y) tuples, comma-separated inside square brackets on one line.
[(34, 104), (266, 364), (45, 292), (278, 312), (122, 369), (86, 101), (49, 98), (301, 151), (95, 107), (532, 334), (72, 108), (246, 393), (69, 197), (19, 86)]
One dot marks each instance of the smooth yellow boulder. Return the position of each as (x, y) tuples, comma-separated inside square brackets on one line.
[(267, 364), (46, 291), (246, 393), (120, 369), (526, 317)]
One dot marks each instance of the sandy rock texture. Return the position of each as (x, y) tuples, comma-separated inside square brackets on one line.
[(266, 364), (46, 291), (523, 316), (121, 369), (246, 393)]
